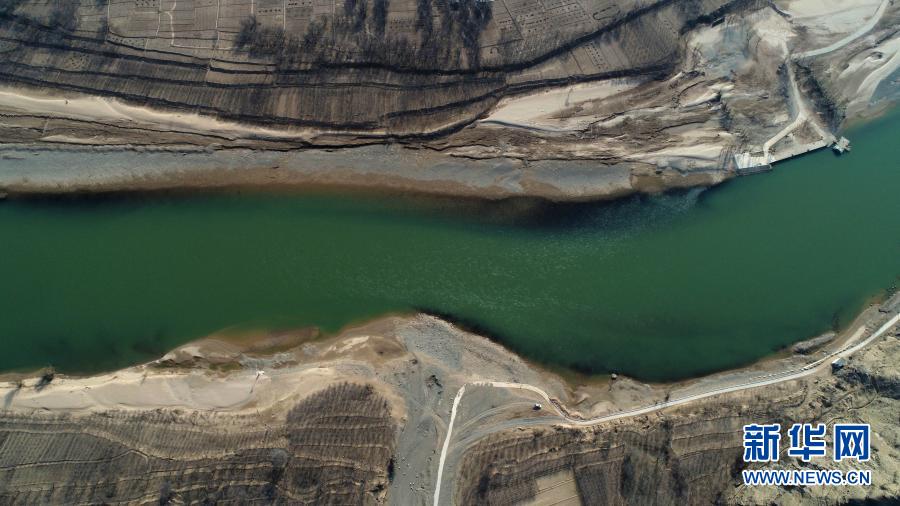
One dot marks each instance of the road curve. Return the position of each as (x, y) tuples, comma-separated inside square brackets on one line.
[(794, 96), (767, 380)]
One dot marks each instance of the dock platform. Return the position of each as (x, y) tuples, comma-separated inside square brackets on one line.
[(841, 145)]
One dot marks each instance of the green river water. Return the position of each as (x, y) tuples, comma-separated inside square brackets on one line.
[(661, 287)]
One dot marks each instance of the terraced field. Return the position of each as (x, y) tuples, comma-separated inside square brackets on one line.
[(417, 69), (333, 447)]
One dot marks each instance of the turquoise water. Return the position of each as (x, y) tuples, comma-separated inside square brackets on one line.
[(660, 287)]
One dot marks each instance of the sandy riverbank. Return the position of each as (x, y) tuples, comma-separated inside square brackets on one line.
[(236, 374)]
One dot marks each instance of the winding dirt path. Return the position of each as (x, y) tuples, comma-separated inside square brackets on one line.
[(766, 380)]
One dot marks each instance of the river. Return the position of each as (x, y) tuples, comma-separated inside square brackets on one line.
[(658, 287)]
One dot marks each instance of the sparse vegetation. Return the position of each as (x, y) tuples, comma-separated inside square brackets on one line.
[(472, 17), (349, 40), (424, 20), (259, 40), (355, 14), (64, 15), (379, 16), (103, 29), (203, 458), (47, 377), (403, 69), (8, 7)]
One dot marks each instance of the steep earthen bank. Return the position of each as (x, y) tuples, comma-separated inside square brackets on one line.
[(647, 98)]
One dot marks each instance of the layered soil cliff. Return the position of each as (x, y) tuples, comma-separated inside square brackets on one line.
[(648, 95)]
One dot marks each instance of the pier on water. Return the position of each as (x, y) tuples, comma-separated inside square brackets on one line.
[(841, 145), (755, 162)]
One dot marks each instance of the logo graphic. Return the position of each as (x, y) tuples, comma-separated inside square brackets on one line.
[(851, 441), (807, 441), (761, 442)]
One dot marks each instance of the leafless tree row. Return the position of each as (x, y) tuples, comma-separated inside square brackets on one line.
[(359, 36), (334, 447), (635, 464)]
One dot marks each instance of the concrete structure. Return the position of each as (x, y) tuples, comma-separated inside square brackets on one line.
[(841, 145), (838, 364), (751, 163)]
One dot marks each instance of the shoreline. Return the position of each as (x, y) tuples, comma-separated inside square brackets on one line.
[(399, 360), (366, 191), (266, 345), (562, 371), (43, 170), (417, 365), (49, 169), (366, 265)]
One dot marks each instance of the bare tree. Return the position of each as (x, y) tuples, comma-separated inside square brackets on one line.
[(7, 7), (424, 19), (64, 15), (379, 16)]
